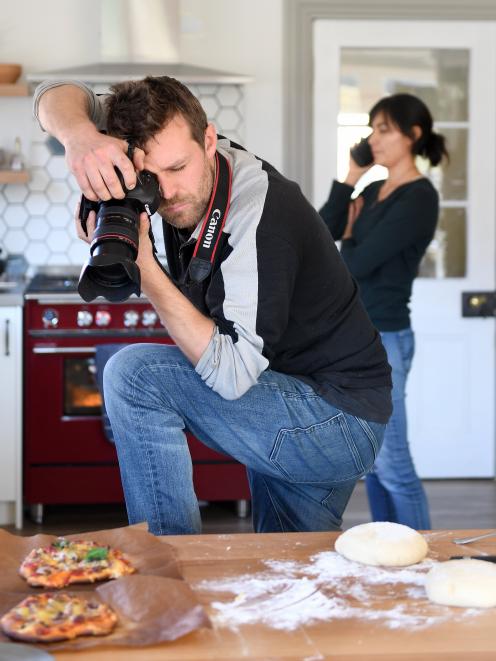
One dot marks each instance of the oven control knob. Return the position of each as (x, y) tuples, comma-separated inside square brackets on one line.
[(102, 318), (50, 318), (84, 318), (131, 318), (149, 318)]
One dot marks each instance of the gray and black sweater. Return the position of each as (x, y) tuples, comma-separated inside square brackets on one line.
[(389, 239), (282, 298), (280, 295)]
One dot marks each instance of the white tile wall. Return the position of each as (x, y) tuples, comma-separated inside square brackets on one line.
[(36, 219)]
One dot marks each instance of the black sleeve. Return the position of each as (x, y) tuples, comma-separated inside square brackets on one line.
[(335, 210), (410, 219)]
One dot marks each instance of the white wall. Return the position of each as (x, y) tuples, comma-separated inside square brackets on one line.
[(243, 36), (49, 34), (42, 35)]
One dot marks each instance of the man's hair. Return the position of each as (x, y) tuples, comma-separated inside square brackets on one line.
[(139, 109)]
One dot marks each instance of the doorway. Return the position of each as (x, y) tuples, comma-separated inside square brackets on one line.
[(449, 64)]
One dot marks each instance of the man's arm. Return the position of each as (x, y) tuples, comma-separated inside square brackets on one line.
[(64, 111), (188, 327)]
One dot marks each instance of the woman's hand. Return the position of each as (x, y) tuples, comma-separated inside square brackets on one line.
[(354, 211), (355, 172)]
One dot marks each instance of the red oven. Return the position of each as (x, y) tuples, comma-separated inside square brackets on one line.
[(67, 457)]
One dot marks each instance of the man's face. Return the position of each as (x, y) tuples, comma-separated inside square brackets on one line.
[(185, 172)]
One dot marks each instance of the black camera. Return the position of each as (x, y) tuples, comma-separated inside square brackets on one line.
[(361, 153), (111, 269)]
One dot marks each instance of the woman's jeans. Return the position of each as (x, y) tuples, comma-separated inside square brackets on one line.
[(394, 490), (303, 455)]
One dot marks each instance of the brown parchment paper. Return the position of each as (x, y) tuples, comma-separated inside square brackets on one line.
[(152, 606)]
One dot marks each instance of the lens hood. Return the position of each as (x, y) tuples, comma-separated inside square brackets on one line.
[(113, 277)]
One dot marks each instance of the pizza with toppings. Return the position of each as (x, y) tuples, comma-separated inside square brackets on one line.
[(50, 617), (73, 561)]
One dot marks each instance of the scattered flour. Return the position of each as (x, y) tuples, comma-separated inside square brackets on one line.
[(289, 594)]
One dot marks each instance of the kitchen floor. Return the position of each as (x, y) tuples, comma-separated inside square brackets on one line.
[(454, 504)]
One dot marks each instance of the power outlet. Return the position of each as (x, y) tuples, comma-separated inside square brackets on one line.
[(478, 304)]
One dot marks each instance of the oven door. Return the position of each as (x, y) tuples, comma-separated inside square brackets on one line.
[(67, 457), (63, 404)]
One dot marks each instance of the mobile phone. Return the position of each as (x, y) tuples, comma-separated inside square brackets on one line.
[(361, 153)]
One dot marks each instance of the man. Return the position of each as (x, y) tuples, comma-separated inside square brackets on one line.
[(276, 362)]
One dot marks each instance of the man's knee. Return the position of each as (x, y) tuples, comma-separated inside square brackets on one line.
[(116, 366), (138, 365), (124, 366)]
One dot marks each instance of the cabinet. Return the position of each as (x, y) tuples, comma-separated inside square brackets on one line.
[(10, 415)]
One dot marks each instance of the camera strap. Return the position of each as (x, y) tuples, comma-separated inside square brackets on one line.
[(213, 223)]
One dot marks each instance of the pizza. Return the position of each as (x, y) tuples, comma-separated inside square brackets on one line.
[(50, 617), (73, 561)]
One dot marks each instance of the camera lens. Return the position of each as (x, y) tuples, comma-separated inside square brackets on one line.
[(111, 275), (111, 270)]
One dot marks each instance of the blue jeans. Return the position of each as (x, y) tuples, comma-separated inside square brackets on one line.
[(303, 455), (394, 490)]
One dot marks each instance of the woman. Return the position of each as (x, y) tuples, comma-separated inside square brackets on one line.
[(385, 232)]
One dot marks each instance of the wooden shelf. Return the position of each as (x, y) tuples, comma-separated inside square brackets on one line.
[(14, 176), (14, 89)]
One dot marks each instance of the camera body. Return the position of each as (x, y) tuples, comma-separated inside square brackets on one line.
[(111, 269), (361, 153)]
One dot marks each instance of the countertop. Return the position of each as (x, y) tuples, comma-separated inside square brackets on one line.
[(260, 592), (12, 292)]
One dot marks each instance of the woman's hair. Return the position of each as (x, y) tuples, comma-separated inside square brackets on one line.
[(407, 111), (139, 109)]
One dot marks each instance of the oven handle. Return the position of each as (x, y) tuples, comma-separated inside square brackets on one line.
[(63, 350), (7, 337)]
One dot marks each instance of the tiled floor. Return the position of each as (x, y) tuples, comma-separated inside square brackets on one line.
[(454, 504)]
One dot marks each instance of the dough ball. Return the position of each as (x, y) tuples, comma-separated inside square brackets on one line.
[(469, 583), (382, 543)]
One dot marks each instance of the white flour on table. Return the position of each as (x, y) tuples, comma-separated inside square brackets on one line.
[(289, 594)]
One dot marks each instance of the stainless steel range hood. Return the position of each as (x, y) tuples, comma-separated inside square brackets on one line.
[(114, 72), (138, 38)]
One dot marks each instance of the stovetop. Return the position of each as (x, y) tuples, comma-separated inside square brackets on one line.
[(54, 280), (43, 283), (59, 284)]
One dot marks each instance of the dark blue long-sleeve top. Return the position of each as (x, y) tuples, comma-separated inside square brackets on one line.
[(388, 242)]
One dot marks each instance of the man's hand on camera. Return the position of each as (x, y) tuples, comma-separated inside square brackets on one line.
[(145, 254), (90, 226), (92, 156)]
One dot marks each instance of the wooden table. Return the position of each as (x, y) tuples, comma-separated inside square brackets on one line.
[(217, 557)]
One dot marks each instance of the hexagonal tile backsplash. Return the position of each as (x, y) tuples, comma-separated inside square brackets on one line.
[(36, 219)]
